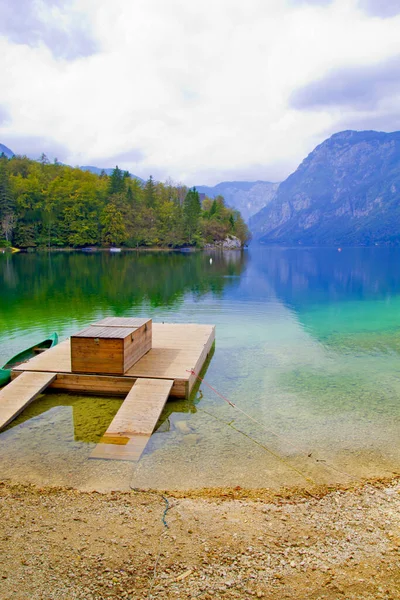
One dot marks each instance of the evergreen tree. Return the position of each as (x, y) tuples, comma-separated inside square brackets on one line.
[(191, 214), (150, 192), (7, 204), (117, 182)]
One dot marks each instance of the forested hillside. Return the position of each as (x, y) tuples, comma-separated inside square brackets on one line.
[(53, 205)]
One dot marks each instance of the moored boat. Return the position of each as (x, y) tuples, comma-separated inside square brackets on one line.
[(5, 372)]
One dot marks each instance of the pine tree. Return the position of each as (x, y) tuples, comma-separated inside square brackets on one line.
[(117, 182), (7, 204), (191, 213), (150, 192)]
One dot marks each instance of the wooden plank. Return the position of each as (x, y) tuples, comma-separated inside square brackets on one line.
[(141, 408), (95, 385), (54, 360), (130, 451), (105, 332), (103, 385), (135, 421), (21, 392), (200, 362), (122, 322)]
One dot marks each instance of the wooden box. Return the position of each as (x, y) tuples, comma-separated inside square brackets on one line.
[(110, 346)]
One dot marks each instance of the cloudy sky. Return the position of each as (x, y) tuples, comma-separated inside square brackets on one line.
[(197, 90)]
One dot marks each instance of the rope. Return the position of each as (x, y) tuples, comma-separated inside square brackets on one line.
[(166, 526), (307, 478), (167, 507), (193, 372), (267, 430)]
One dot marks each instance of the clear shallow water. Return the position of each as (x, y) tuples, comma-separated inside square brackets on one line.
[(307, 344)]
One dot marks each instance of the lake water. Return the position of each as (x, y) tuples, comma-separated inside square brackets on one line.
[(307, 344)]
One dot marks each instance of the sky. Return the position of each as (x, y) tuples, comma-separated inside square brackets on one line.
[(199, 91)]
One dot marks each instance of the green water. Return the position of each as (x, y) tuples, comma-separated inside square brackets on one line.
[(307, 344)]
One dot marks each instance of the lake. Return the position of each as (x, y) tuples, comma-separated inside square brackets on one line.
[(307, 346)]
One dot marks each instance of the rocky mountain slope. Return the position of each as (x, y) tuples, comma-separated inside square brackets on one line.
[(347, 191), (246, 196), (4, 150)]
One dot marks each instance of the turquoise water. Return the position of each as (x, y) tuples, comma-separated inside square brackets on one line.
[(307, 345)]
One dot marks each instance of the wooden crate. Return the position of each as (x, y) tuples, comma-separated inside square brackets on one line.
[(110, 348)]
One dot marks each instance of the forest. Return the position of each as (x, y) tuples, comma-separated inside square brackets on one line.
[(50, 205)]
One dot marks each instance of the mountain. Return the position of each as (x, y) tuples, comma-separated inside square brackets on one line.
[(346, 192), (98, 171), (4, 150), (246, 196)]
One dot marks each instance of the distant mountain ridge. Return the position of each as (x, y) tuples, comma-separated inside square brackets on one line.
[(248, 197), (4, 150), (346, 192)]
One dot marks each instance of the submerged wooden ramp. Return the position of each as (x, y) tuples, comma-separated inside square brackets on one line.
[(21, 392), (132, 426)]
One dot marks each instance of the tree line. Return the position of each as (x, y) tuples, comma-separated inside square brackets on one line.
[(45, 204)]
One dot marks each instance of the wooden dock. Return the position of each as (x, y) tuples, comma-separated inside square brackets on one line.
[(177, 349), (132, 426), (19, 393), (165, 370)]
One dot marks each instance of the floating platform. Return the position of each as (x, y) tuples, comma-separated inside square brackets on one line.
[(168, 369), (177, 350)]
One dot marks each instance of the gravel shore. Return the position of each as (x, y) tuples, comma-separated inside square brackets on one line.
[(59, 543)]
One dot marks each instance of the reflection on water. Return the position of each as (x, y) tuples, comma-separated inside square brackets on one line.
[(307, 344)]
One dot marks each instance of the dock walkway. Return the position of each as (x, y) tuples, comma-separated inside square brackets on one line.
[(16, 396), (132, 426)]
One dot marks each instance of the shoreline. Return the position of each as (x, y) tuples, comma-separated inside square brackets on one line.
[(321, 543), (183, 250)]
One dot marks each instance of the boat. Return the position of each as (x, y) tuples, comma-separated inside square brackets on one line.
[(115, 249), (5, 372)]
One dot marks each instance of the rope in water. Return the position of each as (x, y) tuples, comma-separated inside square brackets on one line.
[(306, 477), (193, 372), (268, 430)]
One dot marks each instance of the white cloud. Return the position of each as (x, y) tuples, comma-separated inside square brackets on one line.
[(195, 90)]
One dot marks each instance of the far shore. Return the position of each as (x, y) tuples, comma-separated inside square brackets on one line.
[(93, 250)]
